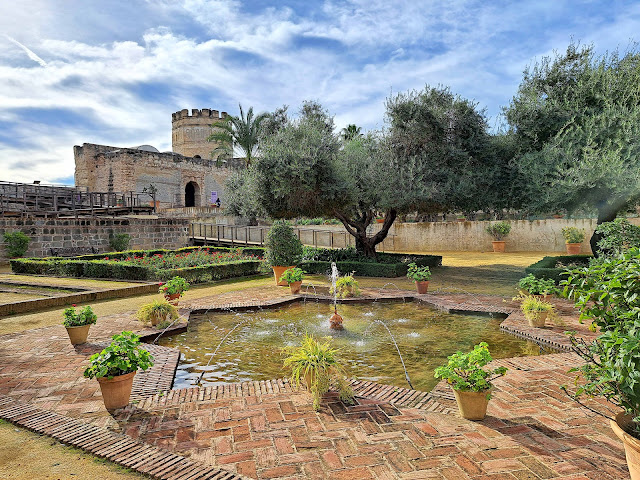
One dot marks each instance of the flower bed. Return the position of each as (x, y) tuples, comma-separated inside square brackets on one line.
[(196, 265)]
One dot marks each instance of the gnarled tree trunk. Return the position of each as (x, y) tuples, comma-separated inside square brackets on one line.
[(358, 228)]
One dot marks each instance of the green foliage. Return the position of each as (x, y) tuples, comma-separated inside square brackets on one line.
[(387, 265), (554, 268), (531, 306), (283, 248), (576, 118), (317, 363), (573, 234), (618, 236), (346, 286), (86, 316), (242, 132), (176, 285), (95, 266), (350, 132), (537, 286), (119, 242), (465, 372), (608, 290), (418, 274), (16, 244), (160, 310), (124, 355), (292, 275), (608, 294), (498, 230)]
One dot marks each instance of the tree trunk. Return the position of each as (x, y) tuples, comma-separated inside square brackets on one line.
[(358, 228)]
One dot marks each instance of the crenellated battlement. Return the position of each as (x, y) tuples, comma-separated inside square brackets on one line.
[(197, 113)]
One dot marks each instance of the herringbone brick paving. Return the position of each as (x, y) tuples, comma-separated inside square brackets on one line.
[(269, 430)]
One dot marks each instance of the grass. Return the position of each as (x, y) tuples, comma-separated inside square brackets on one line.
[(26, 455)]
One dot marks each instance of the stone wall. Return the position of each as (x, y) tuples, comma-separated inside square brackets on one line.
[(130, 169), (189, 133), (94, 232)]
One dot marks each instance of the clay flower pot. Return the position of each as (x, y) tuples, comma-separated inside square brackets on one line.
[(422, 286), (472, 405), (539, 320), (573, 248), (498, 246), (295, 286), (631, 443), (172, 299), (78, 335), (277, 273), (117, 390)]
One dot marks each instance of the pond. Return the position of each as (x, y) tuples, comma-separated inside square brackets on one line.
[(253, 351)]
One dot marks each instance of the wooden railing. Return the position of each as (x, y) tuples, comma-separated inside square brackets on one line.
[(236, 235)]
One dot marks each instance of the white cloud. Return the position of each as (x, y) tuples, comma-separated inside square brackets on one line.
[(216, 53), (30, 53)]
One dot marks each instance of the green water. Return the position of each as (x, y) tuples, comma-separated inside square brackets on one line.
[(425, 337)]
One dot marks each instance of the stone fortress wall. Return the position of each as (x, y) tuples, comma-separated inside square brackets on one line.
[(184, 178)]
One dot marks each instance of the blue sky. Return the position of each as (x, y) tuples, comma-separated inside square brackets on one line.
[(74, 71)]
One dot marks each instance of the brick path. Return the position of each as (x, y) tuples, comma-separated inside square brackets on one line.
[(269, 430)]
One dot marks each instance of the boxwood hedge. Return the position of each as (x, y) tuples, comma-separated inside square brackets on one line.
[(95, 266), (547, 267)]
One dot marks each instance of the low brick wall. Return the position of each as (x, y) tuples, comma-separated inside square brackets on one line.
[(94, 232)]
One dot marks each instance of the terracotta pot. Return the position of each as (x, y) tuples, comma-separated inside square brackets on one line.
[(472, 405), (539, 320), (295, 286), (498, 246), (379, 220), (117, 390), (631, 443), (172, 299), (78, 335), (277, 273), (422, 286), (573, 248)]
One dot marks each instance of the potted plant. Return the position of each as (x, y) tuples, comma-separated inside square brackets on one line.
[(420, 275), (573, 237), (498, 231), (535, 310), (316, 365), (541, 288), (78, 323), (470, 382), (282, 249), (156, 312), (379, 219), (346, 286), (173, 289), (293, 276), (115, 366)]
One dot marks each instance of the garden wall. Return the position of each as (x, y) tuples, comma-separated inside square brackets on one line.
[(94, 232), (426, 237)]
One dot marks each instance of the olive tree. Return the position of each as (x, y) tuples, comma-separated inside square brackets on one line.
[(577, 120)]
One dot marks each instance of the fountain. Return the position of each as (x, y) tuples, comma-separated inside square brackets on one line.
[(335, 322)]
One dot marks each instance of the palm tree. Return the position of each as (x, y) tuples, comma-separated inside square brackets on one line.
[(241, 132), (351, 132)]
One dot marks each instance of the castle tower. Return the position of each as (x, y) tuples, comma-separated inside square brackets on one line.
[(189, 133)]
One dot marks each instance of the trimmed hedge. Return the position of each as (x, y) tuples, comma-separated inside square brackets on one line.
[(372, 269), (94, 266), (546, 268)]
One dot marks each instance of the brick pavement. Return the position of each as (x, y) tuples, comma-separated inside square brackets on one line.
[(269, 430)]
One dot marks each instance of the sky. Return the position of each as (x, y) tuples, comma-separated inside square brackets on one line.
[(83, 71)]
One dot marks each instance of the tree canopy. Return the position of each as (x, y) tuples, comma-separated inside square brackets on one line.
[(431, 157), (576, 120), (241, 131)]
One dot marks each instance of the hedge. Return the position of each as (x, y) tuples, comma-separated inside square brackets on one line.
[(372, 269), (258, 251), (546, 268), (121, 271)]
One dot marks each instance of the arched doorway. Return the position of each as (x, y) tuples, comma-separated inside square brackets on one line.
[(191, 195)]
